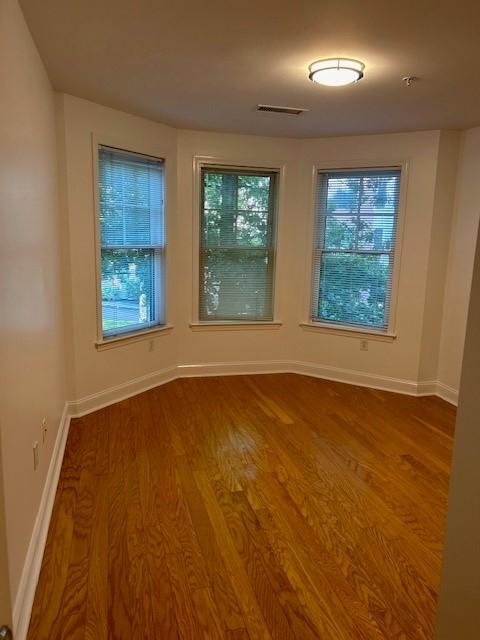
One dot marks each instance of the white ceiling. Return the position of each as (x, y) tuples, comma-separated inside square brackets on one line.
[(205, 64)]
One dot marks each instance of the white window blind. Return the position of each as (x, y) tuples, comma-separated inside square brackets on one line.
[(356, 222), (237, 244), (132, 241)]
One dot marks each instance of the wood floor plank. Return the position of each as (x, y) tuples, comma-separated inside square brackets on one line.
[(251, 609), (208, 617), (121, 601), (259, 507), (223, 591), (348, 484), (139, 574), (183, 603), (162, 591), (72, 618), (316, 570), (46, 619), (96, 623), (277, 599)]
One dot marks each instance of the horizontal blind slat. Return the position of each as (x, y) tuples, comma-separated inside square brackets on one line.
[(132, 240), (355, 232), (237, 244)]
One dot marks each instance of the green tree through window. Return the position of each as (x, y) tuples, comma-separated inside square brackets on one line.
[(130, 189), (356, 219), (237, 245)]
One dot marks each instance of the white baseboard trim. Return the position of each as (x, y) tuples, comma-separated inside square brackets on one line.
[(357, 378), (446, 393), (233, 368), (437, 388), (109, 396), (22, 607), (336, 374), (427, 388), (96, 401)]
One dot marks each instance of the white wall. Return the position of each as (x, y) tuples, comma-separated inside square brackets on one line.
[(40, 308), (438, 250), (461, 257), (401, 358), (96, 370), (32, 368), (412, 357), (246, 345), (458, 609)]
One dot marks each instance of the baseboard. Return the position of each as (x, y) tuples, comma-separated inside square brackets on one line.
[(109, 396), (357, 378), (427, 388), (233, 368), (447, 393), (31, 569), (437, 388)]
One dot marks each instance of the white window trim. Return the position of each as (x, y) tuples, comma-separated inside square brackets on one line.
[(124, 337), (133, 336), (200, 161), (233, 325), (345, 329)]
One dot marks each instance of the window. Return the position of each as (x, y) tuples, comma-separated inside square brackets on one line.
[(132, 241), (356, 221), (237, 244)]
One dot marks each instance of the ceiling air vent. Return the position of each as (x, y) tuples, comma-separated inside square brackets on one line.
[(293, 111)]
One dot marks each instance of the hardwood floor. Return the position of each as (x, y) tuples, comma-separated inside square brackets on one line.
[(274, 507)]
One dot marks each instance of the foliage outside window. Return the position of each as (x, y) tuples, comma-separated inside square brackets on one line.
[(356, 221), (237, 244), (132, 246)]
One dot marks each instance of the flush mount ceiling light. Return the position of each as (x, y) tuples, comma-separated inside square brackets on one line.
[(336, 72)]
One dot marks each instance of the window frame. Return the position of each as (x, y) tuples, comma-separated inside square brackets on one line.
[(312, 290), (147, 330), (209, 162)]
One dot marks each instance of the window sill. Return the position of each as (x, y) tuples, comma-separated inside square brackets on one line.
[(348, 332), (234, 326), (129, 338)]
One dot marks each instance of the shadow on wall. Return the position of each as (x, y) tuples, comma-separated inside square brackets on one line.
[(459, 604)]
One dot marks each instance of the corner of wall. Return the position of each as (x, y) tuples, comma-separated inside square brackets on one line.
[(68, 328), (33, 333), (438, 253), (458, 613), (461, 252)]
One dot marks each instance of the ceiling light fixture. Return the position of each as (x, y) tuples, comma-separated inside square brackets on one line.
[(336, 72)]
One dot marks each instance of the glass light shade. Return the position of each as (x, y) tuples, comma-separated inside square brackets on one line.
[(335, 72)]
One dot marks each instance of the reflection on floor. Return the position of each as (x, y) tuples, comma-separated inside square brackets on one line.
[(273, 506)]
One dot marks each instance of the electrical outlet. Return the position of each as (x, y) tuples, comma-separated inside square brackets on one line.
[(44, 430), (151, 345), (363, 345), (35, 455)]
